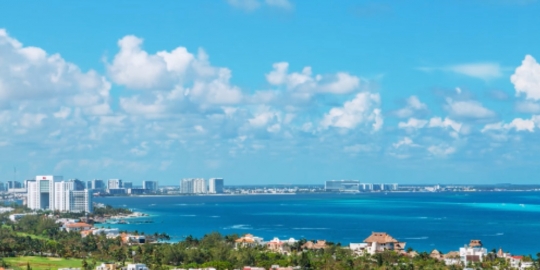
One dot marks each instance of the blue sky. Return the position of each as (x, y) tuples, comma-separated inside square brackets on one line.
[(271, 91)]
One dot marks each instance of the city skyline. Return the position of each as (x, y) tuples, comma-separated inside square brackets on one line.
[(272, 92)]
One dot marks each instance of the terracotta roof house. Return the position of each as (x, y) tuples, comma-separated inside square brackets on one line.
[(77, 227), (451, 255), (475, 243), (320, 244), (381, 241), (248, 240), (435, 254), (412, 254)]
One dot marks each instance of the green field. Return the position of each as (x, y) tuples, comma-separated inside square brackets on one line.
[(42, 262)]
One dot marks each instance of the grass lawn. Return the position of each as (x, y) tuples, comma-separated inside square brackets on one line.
[(42, 262)]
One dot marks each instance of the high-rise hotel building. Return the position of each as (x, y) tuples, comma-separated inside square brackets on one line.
[(215, 185), (48, 192)]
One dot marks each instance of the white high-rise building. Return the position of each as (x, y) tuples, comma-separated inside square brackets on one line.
[(62, 196), (40, 193), (51, 193), (199, 185), (186, 186), (114, 184), (150, 185), (215, 185), (81, 201)]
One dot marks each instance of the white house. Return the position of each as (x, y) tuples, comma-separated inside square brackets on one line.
[(380, 241), (474, 252), (358, 248), (248, 240), (518, 263), (137, 266), (280, 246)]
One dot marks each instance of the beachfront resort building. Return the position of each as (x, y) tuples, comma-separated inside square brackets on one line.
[(136, 266), (474, 252), (49, 192), (342, 185), (150, 185), (248, 240), (381, 241), (114, 184), (320, 244), (215, 185), (356, 186), (193, 186), (281, 246)]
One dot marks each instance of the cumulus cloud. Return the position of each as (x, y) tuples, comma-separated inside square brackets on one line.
[(339, 83), (526, 78), (441, 150), (170, 76), (406, 141), (518, 124), (446, 123), (413, 105), (31, 74), (413, 123), (362, 109), (136, 69)]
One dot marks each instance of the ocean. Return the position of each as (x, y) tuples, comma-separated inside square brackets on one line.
[(426, 221)]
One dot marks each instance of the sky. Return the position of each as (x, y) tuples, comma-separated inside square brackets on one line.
[(271, 91)]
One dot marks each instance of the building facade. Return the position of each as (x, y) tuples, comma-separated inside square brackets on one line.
[(114, 184), (40, 193), (48, 192), (199, 186), (215, 185), (186, 186), (150, 185), (342, 185)]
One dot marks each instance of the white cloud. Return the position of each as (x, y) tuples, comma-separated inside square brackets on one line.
[(29, 120), (63, 113), (363, 108), (29, 74), (447, 122), (284, 4), (413, 105), (406, 141), (468, 109), (484, 71), (413, 123), (526, 78), (339, 83), (517, 124), (441, 150), (170, 76), (136, 69), (217, 91)]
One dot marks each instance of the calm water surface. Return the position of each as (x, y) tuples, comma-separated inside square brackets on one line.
[(425, 221)]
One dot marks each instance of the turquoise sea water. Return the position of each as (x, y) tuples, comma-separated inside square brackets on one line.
[(425, 221)]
